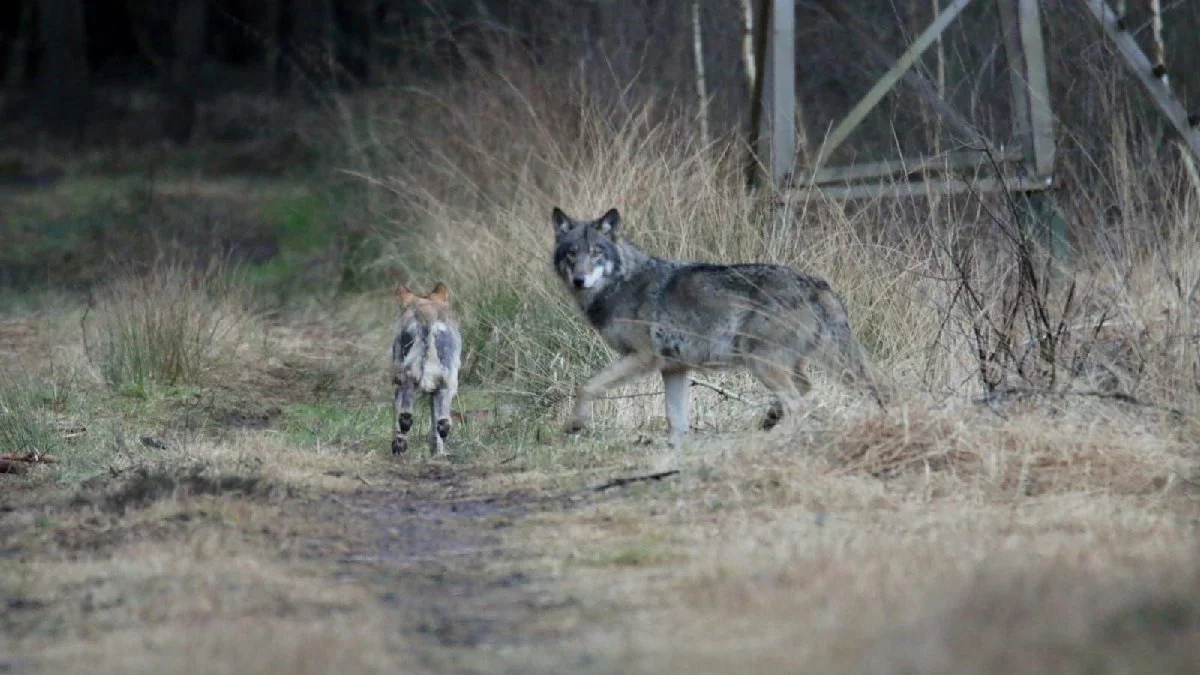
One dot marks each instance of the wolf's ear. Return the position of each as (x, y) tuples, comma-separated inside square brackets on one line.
[(440, 293), (406, 296), (561, 222), (609, 223)]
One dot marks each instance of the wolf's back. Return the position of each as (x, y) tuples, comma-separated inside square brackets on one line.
[(432, 355)]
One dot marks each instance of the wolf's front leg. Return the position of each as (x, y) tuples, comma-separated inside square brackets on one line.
[(622, 370), (439, 421), (676, 385), (403, 400)]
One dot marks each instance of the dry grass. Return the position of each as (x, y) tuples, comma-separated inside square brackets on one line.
[(822, 551), (949, 547), (168, 325), (469, 198), (1048, 529), (202, 602)]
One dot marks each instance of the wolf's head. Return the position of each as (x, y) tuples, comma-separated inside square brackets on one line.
[(585, 251), (426, 306)]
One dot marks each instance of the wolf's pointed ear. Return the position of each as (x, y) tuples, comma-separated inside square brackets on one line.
[(406, 296), (440, 292), (609, 223), (561, 222)]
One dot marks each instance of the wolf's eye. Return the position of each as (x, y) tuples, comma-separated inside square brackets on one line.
[(570, 256)]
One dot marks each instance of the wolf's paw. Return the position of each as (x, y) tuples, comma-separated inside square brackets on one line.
[(399, 445), (772, 418)]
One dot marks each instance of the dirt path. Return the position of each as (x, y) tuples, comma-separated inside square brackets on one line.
[(427, 559), (440, 559)]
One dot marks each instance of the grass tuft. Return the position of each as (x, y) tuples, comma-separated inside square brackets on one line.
[(171, 325), (25, 422)]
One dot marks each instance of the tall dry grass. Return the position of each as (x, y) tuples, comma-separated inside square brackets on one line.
[(171, 324), (466, 174)]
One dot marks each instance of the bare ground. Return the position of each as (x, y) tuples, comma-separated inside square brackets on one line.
[(1050, 536)]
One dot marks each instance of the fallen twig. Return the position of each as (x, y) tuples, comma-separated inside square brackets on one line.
[(11, 462), (1000, 394), (626, 480), (723, 392), (29, 457)]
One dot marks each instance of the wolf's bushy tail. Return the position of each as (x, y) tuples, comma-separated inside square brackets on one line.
[(847, 357), (415, 357), (432, 371), (858, 370)]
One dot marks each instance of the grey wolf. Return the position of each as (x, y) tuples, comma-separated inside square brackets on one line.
[(677, 316), (426, 355)]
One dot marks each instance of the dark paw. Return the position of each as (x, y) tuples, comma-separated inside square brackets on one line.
[(399, 445), (405, 421), (443, 428), (771, 418)]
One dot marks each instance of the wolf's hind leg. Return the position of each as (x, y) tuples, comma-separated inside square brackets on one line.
[(850, 363), (403, 401), (779, 381), (803, 386), (439, 421), (774, 414), (622, 370)]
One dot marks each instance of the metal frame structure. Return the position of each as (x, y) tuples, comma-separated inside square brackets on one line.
[(1026, 168)]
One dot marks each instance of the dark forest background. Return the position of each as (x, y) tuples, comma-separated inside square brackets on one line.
[(74, 66), (327, 92)]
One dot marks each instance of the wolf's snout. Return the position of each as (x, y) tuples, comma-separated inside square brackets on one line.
[(579, 282)]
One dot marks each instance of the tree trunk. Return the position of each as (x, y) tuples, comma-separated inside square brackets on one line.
[(18, 52), (312, 42), (272, 45), (63, 84), (191, 22)]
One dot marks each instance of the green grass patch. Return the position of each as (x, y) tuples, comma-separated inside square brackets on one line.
[(302, 224), (641, 552), (26, 418), (334, 426)]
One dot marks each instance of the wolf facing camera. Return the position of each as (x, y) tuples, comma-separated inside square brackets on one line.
[(674, 317)]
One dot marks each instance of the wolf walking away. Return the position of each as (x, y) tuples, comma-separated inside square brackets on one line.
[(677, 316), (426, 355)]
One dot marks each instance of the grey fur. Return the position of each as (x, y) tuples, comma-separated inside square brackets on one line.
[(678, 316), (426, 357)]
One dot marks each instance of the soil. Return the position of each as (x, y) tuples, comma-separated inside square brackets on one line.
[(431, 552)]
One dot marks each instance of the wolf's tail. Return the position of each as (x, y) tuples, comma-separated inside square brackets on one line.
[(433, 372), (847, 356), (858, 370)]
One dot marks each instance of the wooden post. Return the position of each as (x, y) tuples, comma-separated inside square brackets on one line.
[(761, 18), (1016, 75), (1136, 59), (1041, 118), (778, 135), (1031, 96)]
